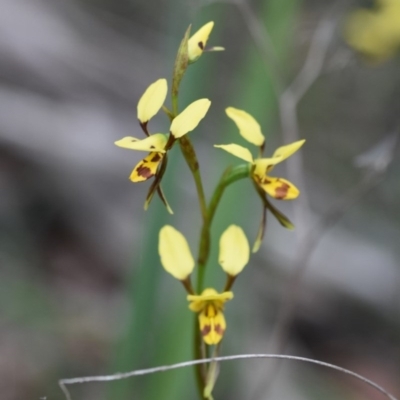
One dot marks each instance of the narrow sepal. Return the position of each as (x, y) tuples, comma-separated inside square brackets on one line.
[(261, 231), (282, 218), (157, 180), (164, 199), (212, 376)]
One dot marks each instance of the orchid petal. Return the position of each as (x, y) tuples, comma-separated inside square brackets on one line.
[(152, 100), (175, 253), (248, 127), (154, 143), (198, 41), (237, 151), (279, 188), (189, 118), (285, 152), (234, 250)]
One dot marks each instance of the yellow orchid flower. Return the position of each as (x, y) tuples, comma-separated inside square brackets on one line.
[(249, 129), (157, 144), (210, 306), (178, 261), (375, 32), (198, 41)]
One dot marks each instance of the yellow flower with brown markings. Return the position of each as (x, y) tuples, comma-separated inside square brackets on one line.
[(375, 32), (157, 144), (197, 42), (210, 305), (250, 130), (178, 261)]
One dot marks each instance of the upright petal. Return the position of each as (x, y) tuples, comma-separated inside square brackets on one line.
[(153, 143), (175, 254), (152, 100), (279, 188), (237, 151), (146, 168), (234, 250), (249, 128), (198, 41), (285, 152), (189, 118)]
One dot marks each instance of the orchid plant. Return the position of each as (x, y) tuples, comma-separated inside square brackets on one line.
[(234, 249)]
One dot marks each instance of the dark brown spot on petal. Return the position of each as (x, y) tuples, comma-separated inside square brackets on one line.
[(282, 191), (266, 180), (219, 330), (156, 157), (145, 172), (206, 330), (152, 147), (201, 45)]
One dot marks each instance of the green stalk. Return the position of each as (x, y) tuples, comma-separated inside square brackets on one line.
[(230, 176), (193, 164)]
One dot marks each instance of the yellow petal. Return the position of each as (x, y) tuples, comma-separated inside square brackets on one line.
[(198, 41), (236, 150), (212, 324), (146, 168), (189, 118), (175, 254), (153, 143), (209, 295), (285, 152), (264, 165), (152, 100), (249, 128), (234, 250), (279, 188), (375, 32)]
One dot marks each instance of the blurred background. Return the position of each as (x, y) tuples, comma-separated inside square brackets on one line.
[(82, 290)]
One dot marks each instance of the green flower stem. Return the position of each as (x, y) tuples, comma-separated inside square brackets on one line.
[(197, 350), (193, 164), (230, 176), (174, 99)]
